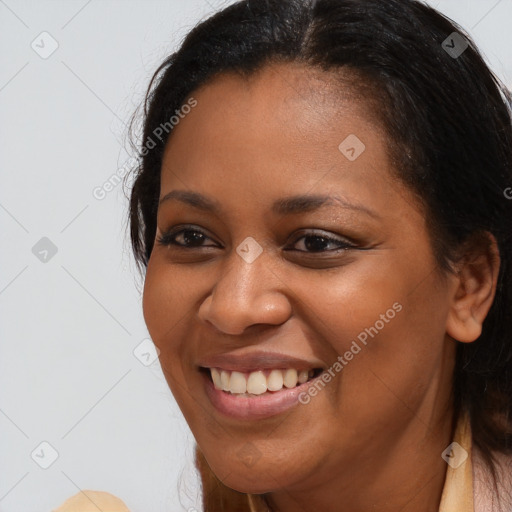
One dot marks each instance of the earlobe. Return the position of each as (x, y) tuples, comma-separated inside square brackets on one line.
[(463, 326), (474, 288)]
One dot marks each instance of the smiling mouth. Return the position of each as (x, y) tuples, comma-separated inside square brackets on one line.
[(259, 382)]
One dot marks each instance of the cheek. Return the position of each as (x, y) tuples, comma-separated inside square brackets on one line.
[(164, 310), (342, 305), (169, 305), (164, 313), (154, 298), (164, 302), (400, 370), (387, 322)]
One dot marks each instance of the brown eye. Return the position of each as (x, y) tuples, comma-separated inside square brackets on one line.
[(193, 238), (315, 242), (187, 238)]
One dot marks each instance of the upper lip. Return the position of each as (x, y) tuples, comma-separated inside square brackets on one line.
[(259, 360)]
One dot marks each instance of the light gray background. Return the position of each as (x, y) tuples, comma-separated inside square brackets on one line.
[(70, 325)]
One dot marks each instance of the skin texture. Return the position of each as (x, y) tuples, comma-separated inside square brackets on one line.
[(373, 438)]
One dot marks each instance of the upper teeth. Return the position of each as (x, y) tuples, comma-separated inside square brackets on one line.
[(258, 382)]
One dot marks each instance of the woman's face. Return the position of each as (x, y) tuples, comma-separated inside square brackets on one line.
[(259, 284)]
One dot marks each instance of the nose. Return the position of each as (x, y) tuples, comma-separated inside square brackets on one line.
[(246, 294)]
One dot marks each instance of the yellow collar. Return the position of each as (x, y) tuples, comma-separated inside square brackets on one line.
[(458, 484)]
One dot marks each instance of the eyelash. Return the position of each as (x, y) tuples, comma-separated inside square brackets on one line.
[(169, 239)]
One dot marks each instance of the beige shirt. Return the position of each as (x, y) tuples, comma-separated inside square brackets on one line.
[(458, 482), (465, 489), (92, 501)]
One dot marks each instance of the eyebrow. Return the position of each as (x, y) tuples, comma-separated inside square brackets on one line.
[(292, 205)]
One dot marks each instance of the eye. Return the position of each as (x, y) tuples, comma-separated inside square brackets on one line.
[(318, 242), (193, 238)]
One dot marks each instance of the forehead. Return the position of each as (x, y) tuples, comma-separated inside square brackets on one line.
[(290, 93), (286, 128)]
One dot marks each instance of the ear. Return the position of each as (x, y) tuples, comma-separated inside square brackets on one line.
[(475, 279)]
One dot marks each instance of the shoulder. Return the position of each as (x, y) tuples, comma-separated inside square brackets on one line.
[(91, 501), (487, 496)]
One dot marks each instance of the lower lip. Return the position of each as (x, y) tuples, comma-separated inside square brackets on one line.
[(257, 407)]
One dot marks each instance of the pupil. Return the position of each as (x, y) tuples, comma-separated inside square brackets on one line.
[(196, 237), (315, 246)]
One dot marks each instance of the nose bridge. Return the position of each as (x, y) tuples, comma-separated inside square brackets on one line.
[(245, 269), (244, 276), (246, 291)]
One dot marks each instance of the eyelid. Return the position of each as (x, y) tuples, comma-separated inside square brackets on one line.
[(324, 234)]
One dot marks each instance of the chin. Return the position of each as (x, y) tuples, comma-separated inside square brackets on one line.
[(254, 477), (252, 483)]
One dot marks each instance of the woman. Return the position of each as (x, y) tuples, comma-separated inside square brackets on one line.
[(322, 215)]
